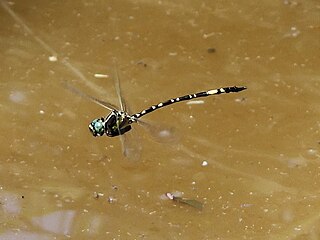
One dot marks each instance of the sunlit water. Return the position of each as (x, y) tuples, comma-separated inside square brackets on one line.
[(252, 158)]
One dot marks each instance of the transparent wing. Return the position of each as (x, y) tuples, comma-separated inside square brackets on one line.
[(93, 99), (159, 132), (118, 87), (131, 147)]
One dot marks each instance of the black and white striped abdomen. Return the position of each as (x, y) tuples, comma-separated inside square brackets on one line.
[(188, 97)]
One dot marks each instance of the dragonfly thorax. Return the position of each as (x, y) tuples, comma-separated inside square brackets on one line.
[(115, 124)]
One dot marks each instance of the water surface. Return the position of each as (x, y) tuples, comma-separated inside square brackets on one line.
[(261, 146)]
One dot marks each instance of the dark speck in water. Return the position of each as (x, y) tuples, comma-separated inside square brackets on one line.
[(211, 50)]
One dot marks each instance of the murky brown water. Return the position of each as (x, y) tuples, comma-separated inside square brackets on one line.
[(261, 145)]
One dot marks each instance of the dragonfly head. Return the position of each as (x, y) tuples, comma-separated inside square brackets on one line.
[(97, 127)]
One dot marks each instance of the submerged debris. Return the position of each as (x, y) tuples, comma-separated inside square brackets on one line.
[(191, 202), (141, 62), (111, 199), (97, 195), (211, 50)]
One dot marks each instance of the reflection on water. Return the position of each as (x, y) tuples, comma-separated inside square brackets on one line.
[(59, 222), (14, 235), (252, 158)]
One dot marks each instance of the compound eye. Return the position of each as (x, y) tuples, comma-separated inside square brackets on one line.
[(97, 127)]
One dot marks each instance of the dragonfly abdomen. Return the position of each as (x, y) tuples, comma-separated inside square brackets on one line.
[(188, 97)]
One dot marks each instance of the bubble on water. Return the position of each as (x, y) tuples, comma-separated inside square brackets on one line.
[(17, 96), (53, 58), (204, 163), (312, 152), (101, 75), (293, 32), (173, 54)]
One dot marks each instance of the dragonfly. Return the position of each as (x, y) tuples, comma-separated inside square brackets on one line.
[(119, 121)]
